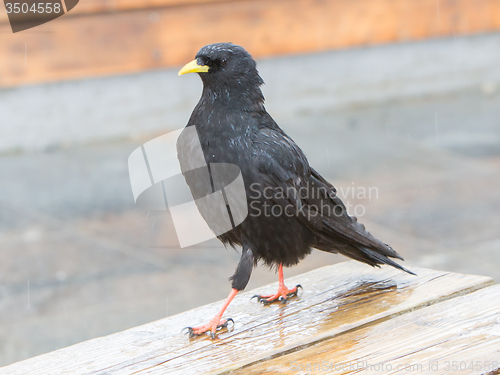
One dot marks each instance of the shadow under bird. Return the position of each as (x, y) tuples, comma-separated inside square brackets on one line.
[(292, 208)]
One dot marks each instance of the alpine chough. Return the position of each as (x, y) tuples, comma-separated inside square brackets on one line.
[(291, 207)]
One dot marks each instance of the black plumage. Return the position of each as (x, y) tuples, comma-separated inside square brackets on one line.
[(234, 127)]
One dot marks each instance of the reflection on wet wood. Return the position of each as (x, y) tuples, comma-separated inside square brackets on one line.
[(337, 301), (459, 336)]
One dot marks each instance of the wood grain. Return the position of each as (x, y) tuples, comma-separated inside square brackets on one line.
[(105, 38), (104, 6), (460, 336), (336, 299)]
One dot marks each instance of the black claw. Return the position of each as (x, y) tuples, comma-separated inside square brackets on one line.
[(259, 299), (227, 322), (190, 332), (281, 298), (296, 292)]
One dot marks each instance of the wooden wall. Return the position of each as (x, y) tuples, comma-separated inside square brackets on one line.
[(101, 37)]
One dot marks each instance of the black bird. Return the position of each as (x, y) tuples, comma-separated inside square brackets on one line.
[(291, 207)]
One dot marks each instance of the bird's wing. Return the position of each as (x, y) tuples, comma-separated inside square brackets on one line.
[(282, 167)]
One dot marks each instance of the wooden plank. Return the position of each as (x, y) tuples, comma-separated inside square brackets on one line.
[(122, 42), (459, 336), (100, 6), (89, 7), (336, 299)]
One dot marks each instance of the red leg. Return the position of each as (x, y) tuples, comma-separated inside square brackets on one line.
[(283, 292), (216, 322)]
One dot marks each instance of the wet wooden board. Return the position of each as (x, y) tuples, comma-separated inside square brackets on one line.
[(336, 300), (459, 336), (99, 38)]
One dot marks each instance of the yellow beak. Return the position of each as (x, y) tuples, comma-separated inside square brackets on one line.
[(193, 67)]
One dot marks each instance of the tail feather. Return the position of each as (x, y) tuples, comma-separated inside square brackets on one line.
[(379, 258), (373, 257), (344, 234)]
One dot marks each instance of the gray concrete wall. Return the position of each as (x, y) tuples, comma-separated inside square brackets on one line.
[(78, 112)]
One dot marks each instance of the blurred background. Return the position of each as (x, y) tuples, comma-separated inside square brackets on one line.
[(398, 96)]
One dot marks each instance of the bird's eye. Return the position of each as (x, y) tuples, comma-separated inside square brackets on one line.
[(223, 61)]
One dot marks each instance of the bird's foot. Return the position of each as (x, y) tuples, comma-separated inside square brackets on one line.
[(212, 327), (282, 295)]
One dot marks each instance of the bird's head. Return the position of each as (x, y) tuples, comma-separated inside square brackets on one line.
[(225, 68)]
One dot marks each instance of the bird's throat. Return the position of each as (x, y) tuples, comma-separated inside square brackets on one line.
[(244, 94)]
